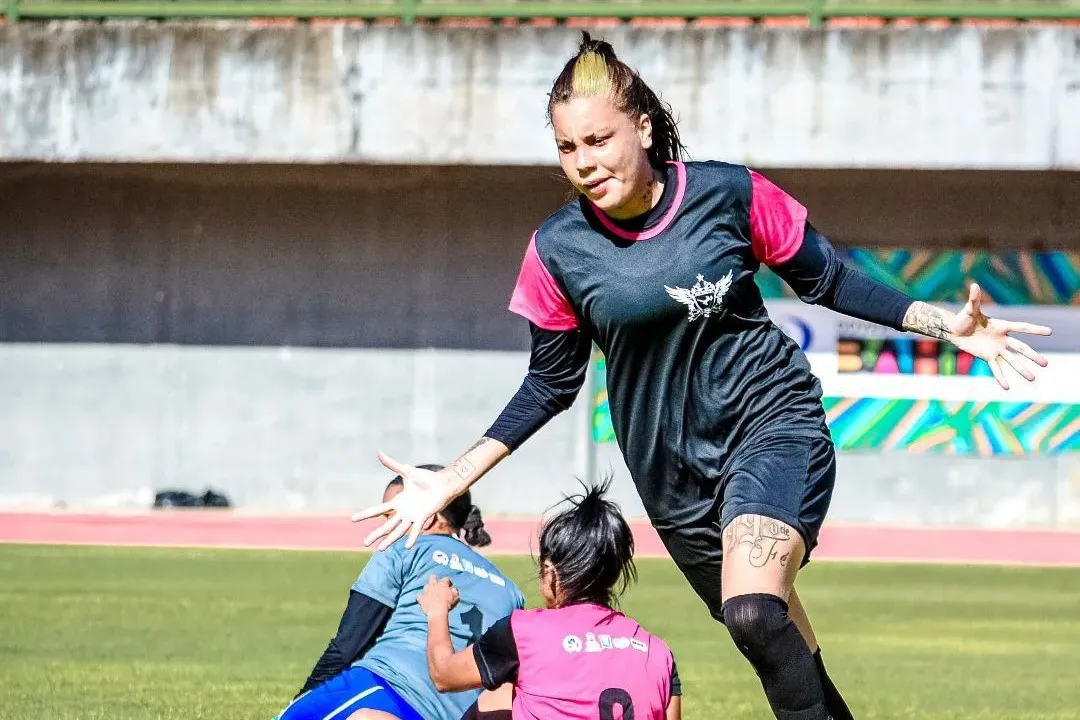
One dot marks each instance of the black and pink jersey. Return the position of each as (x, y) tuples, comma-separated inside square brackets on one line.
[(695, 367)]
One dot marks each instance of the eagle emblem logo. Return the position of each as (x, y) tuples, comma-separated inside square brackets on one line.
[(705, 298)]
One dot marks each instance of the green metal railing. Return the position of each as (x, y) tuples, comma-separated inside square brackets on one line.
[(409, 11)]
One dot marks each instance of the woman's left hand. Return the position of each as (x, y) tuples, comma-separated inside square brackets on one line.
[(990, 339), (438, 596)]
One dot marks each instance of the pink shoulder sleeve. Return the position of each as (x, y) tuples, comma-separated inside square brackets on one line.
[(777, 222), (522, 622), (538, 298), (516, 616), (521, 629)]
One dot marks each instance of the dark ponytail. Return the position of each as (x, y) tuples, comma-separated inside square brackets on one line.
[(464, 517), (591, 548), (474, 532), (596, 69)]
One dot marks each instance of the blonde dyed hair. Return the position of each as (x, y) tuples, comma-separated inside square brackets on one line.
[(596, 71), (590, 76)]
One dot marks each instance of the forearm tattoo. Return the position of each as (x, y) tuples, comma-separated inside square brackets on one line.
[(926, 319), (463, 467), (761, 536), (477, 444)]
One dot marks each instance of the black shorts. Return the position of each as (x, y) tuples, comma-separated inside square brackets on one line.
[(784, 476)]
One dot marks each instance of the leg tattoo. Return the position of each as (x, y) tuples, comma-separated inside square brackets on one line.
[(761, 535)]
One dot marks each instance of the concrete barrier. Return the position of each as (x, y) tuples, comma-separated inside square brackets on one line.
[(961, 97), (290, 429)]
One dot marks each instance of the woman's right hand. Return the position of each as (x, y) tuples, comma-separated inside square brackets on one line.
[(423, 494), (438, 597)]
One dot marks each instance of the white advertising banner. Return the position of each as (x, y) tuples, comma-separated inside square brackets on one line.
[(854, 358), (818, 329)]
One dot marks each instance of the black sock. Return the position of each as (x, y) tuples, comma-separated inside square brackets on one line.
[(766, 636), (836, 705)]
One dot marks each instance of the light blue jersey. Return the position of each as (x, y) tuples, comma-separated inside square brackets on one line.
[(395, 577)]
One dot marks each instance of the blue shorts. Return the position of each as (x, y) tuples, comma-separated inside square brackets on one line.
[(341, 696)]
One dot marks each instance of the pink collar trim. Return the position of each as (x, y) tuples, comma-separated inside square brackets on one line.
[(610, 226)]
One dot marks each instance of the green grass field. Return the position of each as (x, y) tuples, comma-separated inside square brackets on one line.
[(146, 633)]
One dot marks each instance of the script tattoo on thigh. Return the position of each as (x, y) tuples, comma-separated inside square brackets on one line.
[(760, 535)]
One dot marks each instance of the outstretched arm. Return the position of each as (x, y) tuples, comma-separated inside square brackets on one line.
[(782, 238), (558, 362), (975, 333), (818, 275), (560, 355), (557, 367)]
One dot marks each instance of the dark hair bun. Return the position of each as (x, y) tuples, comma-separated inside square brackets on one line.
[(475, 534)]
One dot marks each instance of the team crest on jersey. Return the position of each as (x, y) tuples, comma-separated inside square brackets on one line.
[(462, 565), (705, 298), (600, 643)]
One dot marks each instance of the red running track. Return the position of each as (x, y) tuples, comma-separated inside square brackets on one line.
[(232, 529)]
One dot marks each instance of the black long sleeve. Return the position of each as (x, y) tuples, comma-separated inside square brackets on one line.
[(496, 655), (818, 276), (557, 367), (361, 624)]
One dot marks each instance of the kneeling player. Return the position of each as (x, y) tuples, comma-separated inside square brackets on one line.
[(375, 666), (580, 658)]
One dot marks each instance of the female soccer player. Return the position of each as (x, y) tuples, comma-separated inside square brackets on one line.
[(376, 662), (580, 659), (716, 412)]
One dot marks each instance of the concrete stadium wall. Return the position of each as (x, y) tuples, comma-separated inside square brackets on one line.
[(388, 256), (264, 330), (275, 428), (287, 429), (960, 97)]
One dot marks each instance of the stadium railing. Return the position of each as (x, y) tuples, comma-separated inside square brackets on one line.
[(814, 12)]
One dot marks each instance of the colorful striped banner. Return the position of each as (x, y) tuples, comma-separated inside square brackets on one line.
[(955, 428)]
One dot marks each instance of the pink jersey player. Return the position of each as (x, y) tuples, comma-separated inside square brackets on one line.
[(579, 659)]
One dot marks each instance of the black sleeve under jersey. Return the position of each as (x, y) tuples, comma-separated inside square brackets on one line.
[(818, 276), (676, 683), (557, 366), (496, 655), (361, 624)]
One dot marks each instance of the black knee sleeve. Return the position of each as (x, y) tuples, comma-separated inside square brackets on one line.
[(763, 632), (834, 701)]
